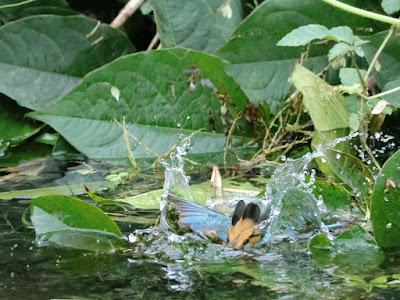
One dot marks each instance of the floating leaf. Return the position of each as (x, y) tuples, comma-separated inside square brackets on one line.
[(76, 189), (70, 222)]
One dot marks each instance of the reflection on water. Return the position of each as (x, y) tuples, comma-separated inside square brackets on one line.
[(160, 263)]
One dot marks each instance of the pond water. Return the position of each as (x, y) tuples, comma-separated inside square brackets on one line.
[(159, 263)]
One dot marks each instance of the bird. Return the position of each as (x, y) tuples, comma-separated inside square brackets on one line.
[(238, 231)]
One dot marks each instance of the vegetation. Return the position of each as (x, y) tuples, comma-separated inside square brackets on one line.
[(245, 82)]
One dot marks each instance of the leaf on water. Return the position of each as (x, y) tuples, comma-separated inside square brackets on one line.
[(385, 209), (76, 189), (44, 56), (353, 249), (70, 222)]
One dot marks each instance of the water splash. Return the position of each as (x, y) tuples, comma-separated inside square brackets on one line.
[(176, 181)]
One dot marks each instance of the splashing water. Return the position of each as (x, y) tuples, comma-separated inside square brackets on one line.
[(295, 212)]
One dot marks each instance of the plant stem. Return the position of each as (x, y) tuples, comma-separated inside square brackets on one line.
[(372, 64), (363, 13), (126, 12), (385, 93), (16, 4)]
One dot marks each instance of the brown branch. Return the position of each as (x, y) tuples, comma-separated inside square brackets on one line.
[(126, 12)]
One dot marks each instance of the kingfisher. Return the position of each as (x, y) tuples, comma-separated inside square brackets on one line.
[(238, 231)]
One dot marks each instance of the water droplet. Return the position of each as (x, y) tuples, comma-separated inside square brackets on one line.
[(323, 160), (386, 199), (283, 158), (12, 274), (178, 124), (338, 156), (188, 117), (389, 225)]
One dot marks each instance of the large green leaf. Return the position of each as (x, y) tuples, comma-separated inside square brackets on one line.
[(260, 67), (385, 210), (37, 7), (199, 25), (163, 95), (70, 222), (43, 57)]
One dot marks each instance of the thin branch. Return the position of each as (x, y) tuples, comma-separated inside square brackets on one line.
[(385, 93), (372, 64), (229, 136), (16, 4), (154, 42), (126, 12)]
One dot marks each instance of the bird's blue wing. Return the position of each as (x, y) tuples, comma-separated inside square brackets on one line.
[(201, 219)]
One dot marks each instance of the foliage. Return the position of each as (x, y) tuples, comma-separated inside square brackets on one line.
[(219, 79)]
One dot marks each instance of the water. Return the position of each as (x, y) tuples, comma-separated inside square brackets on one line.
[(162, 264)]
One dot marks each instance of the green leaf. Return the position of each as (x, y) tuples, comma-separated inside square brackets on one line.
[(70, 222), (353, 249), (44, 56), (350, 77), (326, 107), (164, 96), (199, 25), (200, 193), (385, 209), (75, 189), (334, 195), (353, 172), (390, 6), (342, 34), (392, 98), (339, 49), (303, 35), (14, 129), (260, 66), (36, 7)]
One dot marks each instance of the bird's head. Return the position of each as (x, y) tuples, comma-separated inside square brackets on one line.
[(243, 230)]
